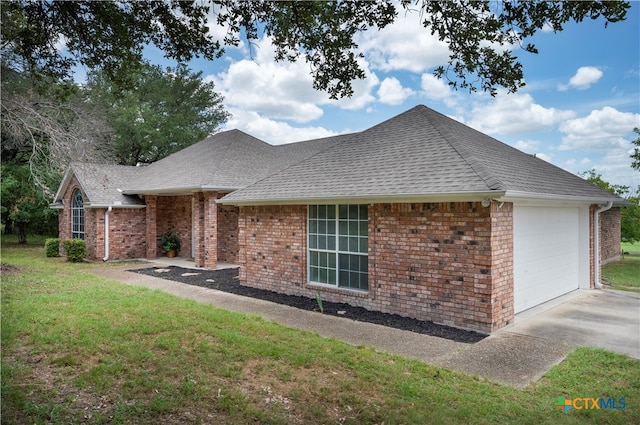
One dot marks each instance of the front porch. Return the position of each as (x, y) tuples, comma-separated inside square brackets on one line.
[(208, 231)]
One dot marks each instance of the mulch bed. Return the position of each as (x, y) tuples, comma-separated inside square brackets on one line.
[(227, 280)]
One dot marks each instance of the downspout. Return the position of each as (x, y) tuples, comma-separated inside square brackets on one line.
[(596, 243), (106, 234)]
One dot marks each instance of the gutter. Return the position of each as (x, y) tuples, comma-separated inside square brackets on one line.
[(596, 243), (106, 234)]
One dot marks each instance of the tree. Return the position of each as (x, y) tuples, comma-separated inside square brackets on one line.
[(629, 215), (47, 128), (24, 208), (635, 156), (162, 112), (111, 35)]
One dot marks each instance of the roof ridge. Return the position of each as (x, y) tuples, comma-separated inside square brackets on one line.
[(492, 181)]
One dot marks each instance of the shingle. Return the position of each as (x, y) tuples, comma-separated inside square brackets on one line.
[(102, 183), (419, 152)]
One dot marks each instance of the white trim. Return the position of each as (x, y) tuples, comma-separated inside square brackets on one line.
[(189, 190), (372, 199), (548, 199), (92, 206)]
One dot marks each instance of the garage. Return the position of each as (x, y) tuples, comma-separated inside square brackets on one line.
[(546, 244)]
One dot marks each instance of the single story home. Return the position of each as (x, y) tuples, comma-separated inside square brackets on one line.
[(420, 216)]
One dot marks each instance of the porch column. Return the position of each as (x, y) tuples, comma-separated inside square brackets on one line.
[(206, 235), (152, 231)]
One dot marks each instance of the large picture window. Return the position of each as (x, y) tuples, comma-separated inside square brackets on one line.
[(77, 216), (338, 245)]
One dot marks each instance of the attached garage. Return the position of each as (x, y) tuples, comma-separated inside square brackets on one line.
[(547, 247)]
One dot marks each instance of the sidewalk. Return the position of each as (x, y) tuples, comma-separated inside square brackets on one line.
[(506, 357)]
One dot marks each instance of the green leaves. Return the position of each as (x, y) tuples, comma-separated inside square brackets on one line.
[(157, 112), (482, 35)]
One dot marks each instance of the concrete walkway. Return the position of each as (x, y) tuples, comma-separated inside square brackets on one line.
[(515, 356)]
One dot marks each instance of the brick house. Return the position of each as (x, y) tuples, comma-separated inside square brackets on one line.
[(419, 216)]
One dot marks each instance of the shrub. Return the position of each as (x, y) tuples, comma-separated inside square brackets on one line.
[(52, 247), (76, 249)]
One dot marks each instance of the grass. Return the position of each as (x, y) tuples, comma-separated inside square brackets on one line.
[(77, 348), (624, 274)]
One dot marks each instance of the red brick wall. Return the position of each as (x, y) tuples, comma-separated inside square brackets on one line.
[(450, 262), (502, 305), (127, 237), (272, 248), (173, 213), (443, 262), (228, 233), (610, 235)]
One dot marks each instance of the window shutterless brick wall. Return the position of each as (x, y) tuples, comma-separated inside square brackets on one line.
[(450, 263), (610, 235)]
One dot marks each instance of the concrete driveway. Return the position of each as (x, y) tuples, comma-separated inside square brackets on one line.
[(542, 337)]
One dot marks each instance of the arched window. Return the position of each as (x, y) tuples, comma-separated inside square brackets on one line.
[(77, 216)]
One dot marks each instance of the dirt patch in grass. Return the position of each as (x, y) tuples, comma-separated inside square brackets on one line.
[(227, 280), (8, 269)]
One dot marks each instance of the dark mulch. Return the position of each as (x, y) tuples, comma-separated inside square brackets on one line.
[(227, 280)]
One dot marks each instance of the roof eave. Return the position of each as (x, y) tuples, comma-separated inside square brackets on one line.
[(113, 205), (179, 190), (530, 197), (370, 199)]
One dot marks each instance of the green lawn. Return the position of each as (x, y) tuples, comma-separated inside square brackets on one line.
[(77, 348), (624, 274)]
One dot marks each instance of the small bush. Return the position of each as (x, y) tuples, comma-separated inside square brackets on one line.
[(52, 247), (76, 249)]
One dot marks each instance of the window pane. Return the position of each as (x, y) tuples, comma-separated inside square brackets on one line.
[(344, 212), (363, 245), (353, 244), (313, 241), (331, 227), (332, 277), (353, 212), (364, 228), (323, 276), (331, 243), (331, 212)]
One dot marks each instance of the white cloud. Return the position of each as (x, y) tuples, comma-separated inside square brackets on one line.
[(601, 129), (528, 146), (583, 79), (403, 45), (516, 113), (545, 157), (283, 90), (434, 88), (272, 131), (391, 92)]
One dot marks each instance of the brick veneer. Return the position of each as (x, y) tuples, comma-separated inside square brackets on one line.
[(448, 262), (610, 235), (228, 233), (173, 213), (126, 229)]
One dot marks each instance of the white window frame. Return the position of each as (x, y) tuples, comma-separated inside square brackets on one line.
[(77, 215), (346, 239)]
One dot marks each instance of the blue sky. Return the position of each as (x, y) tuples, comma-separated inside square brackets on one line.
[(577, 111)]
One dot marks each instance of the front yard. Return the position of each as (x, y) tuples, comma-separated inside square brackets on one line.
[(77, 348), (624, 274)]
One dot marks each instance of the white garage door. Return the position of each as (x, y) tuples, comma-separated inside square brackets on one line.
[(546, 254)]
